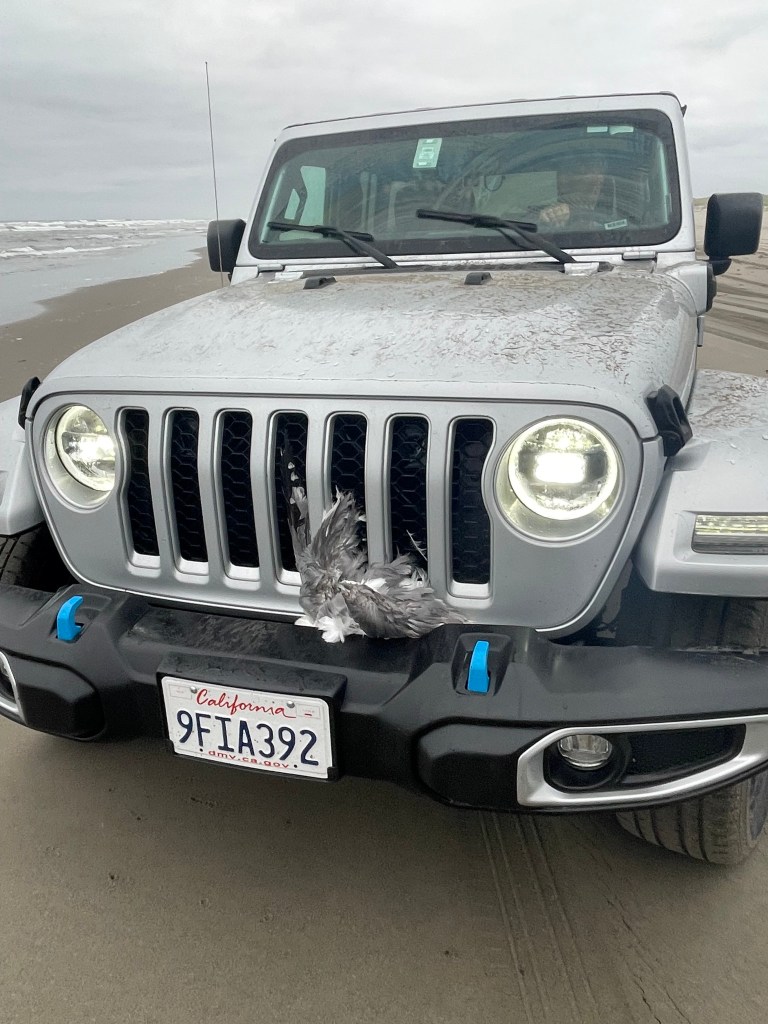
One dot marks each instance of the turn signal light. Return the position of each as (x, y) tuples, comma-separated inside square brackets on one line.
[(731, 535)]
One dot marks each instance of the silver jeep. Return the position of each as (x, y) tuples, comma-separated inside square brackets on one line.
[(479, 326)]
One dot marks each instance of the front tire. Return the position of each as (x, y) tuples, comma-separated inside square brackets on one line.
[(725, 826), (31, 560), (721, 828)]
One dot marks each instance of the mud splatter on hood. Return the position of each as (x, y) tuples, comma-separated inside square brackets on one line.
[(421, 332), (724, 403)]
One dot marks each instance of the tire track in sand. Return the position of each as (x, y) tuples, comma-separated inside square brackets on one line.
[(572, 943)]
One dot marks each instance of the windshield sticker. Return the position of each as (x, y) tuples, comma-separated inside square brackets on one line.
[(613, 129), (612, 225), (427, 152)]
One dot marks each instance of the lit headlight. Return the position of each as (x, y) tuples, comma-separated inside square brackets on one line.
[(559, 478), (84, 447)]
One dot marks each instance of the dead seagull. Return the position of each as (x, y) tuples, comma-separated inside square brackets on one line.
[(342, 593)]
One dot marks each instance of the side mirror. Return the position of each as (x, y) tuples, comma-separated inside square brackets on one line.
[(734, 220), (224, 238)]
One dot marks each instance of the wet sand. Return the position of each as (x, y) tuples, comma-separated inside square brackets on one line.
[(32, 347), (137, 887), (736, 336)]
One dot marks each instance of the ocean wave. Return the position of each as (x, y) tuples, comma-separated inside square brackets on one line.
[(69, 250), (81, 225)]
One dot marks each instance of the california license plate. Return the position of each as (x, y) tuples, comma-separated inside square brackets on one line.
[(270, 732)]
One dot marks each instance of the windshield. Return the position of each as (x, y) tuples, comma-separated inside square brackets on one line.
[(585, 181)]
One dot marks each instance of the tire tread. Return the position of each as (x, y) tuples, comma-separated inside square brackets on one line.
[(714, 828), (31, 560)]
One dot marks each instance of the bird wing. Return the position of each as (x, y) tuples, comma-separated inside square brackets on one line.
[(400, 613)]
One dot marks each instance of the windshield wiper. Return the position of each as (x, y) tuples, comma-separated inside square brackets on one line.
[(357, 241), (521, 232)]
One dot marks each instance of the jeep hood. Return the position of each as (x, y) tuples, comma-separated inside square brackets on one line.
[(607, 338)]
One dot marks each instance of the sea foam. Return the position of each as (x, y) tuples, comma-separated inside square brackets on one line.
[(35, 239)]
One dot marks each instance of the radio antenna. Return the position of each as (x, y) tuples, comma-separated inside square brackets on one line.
[(213, 165)]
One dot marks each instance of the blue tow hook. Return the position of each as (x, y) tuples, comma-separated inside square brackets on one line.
[(66, 627), (478, 678)]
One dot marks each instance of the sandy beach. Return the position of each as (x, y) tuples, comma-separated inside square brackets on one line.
[(137, 887), (736, 336), (34, 346)]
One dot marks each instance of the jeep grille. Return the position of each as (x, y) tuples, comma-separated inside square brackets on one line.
[(205, 497)]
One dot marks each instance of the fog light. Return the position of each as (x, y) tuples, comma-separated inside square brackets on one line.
[(585, 750)]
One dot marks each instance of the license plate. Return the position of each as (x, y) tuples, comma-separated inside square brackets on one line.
[(270, 732)]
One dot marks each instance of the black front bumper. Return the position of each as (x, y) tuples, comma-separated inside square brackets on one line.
[(401, 709)]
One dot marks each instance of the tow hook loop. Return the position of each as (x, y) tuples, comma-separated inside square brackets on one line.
[(66, 627), (478, 679)]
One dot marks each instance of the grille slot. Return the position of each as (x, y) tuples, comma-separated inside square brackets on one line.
[(470, 525), (290, 450), (235, 456), (669, 750), (408, 487), (348, 460), (185, 428), (139, 493)]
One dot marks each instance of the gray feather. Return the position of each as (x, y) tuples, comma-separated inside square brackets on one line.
[(298, 521)]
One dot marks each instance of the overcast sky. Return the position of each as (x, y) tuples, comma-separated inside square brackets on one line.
[(103, 104)]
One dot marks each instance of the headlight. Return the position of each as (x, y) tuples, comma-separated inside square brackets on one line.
[(558, 479), (86, 450)]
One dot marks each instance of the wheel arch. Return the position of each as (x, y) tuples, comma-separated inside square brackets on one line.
[(723, 470), (20, 508)]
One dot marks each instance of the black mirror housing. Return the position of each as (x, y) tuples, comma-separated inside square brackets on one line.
[(224, 238), (734, 221)]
